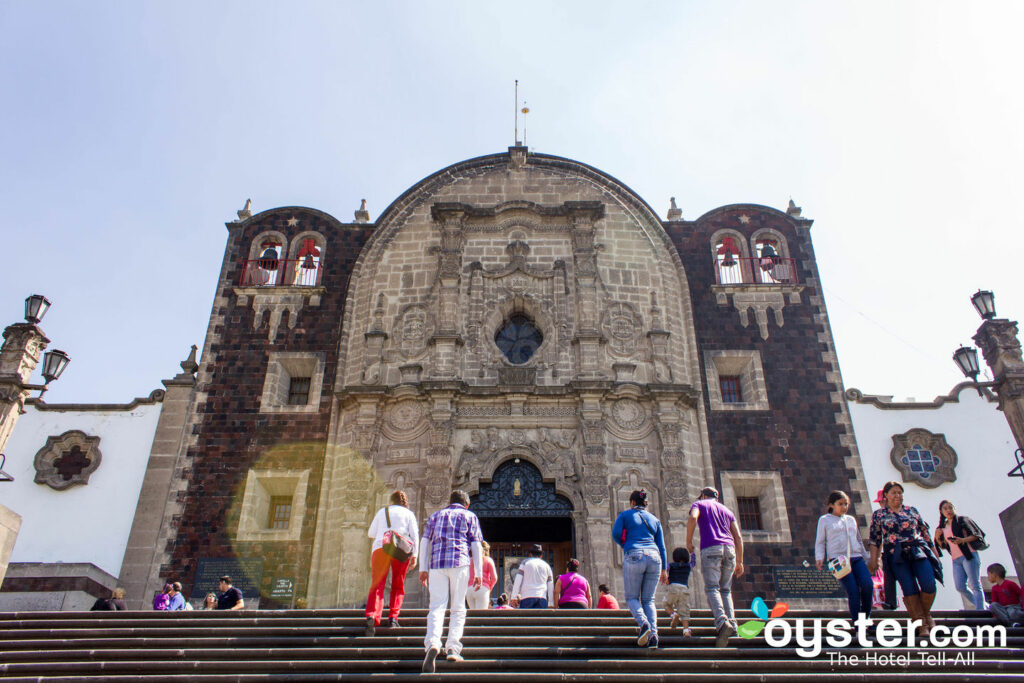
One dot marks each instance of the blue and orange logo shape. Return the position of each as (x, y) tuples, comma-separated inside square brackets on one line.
[(753, 628)]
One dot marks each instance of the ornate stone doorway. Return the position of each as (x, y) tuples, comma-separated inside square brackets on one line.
[(517, 509)]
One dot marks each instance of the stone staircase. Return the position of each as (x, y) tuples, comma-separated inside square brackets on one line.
[(516, 646)]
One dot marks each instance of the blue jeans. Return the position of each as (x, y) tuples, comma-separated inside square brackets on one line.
[(859, 587), (533, 603), (965, 571), (641, 570), (913, 573), (717, 564)]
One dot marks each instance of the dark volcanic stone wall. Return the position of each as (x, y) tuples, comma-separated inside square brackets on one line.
[(801, 395), (232, 436)]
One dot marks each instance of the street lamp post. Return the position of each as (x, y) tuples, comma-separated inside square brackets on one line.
[(1000, 346), (19, 355)]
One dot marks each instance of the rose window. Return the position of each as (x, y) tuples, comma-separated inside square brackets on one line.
[(518, 339)]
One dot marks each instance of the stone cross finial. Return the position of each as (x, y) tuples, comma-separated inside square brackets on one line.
[(674, 212), (362, 215), (793, 210), (190, 365), (245, 211)]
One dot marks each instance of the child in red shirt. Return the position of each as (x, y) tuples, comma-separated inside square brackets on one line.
[(607, 600), (1006, 598)]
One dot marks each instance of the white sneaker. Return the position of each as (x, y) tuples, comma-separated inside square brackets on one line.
[(454, 657)]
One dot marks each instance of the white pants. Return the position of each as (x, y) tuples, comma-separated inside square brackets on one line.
[(447, 586), (478, 598)]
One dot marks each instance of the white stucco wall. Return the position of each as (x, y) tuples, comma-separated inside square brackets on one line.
[(87, 523), (984, 445)]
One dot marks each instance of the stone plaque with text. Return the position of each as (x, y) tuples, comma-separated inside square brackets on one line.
[(795, 581)]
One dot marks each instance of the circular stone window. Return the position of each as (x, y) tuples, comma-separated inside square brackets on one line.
[(518, 339)]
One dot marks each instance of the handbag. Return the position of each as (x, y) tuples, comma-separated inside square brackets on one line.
[(395, 544), (840, 566)]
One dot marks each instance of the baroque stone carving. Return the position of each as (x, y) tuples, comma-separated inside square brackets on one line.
[(399, 454), (628, 413), (675, 490), (630, 452), (413, 330), (622, 327), (67, 460), (405, 415)]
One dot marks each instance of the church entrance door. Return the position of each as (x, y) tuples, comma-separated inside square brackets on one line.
[(517, 509)]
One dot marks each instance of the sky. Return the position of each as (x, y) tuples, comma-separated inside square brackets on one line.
[(130, 132)]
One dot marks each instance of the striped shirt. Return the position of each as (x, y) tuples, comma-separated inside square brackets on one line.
[(450, 532)]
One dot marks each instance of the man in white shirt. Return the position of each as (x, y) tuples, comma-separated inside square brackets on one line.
[(534, 584), (403, 522)]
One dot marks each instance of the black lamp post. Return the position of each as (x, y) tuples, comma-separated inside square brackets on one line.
[(966, 358), (35, 308), (985, 303)]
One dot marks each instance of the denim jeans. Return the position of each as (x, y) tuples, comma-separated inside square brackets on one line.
[(967, 579), (533, 603), (641, 570), (913, 573), (859, 587), (717, 563)]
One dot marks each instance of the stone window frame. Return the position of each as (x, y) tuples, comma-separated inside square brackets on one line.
[(741, 244), (46, 471), (766, 486), (281, 367), (260, 487), (745, 364), (945, 468), (255, 251), (782, 253), (296, 245)]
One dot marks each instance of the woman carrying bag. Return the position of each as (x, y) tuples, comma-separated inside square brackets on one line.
[(963, 540), (395, 534), (838, 541)]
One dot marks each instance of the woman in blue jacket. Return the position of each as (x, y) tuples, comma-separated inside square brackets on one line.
[(644, 563)]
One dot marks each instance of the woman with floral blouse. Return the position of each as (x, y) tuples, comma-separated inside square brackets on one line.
[(902, 536)]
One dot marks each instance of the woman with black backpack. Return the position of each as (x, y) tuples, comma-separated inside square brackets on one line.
[(963, 540)]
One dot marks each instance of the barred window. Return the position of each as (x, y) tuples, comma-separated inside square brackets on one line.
[(298, 391), (731, 389), (750, 513), (280, 512)]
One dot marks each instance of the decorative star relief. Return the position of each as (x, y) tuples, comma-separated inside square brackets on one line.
[(292, 222), (744, 219)]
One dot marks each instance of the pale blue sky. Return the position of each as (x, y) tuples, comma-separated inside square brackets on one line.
[(131, 131)]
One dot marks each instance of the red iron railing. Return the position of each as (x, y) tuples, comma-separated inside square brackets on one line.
[(280, 273), (769, 270)]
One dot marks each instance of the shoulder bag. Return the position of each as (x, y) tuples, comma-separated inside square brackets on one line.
[(840, 566), (395, 544)]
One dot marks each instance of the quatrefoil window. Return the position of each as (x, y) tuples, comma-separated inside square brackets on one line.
[(67, 460), (923, 458), (518, 339)]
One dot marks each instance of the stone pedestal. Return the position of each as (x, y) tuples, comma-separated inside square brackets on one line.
[(10, 523), (1013, 528)]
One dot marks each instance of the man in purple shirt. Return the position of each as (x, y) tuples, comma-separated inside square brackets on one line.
[(721, 557), (450, 541)]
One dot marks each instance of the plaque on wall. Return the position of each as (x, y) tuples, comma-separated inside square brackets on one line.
[(795, 581), (245, 573), (282, 589)]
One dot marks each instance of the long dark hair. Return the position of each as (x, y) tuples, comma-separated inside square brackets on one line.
[(942, 517), (835, 497), (638, 498)]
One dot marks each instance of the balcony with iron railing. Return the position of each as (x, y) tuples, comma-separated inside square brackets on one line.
[(266, 272), (765, 270)]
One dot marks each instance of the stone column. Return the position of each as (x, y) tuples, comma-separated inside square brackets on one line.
[(19, 355), (140, 568), (1000, 346)]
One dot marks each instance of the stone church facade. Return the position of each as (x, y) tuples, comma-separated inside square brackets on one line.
[(523, 327)]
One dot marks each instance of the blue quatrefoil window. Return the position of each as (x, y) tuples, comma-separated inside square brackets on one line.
[(921, 461), (518, 339)]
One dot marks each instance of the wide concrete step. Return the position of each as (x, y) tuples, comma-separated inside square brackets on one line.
[(529, 645)]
